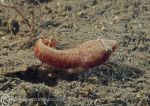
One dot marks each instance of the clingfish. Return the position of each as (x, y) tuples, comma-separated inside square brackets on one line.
[(86, 55)]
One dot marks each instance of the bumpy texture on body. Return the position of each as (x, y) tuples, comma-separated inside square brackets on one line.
[(86, 55)]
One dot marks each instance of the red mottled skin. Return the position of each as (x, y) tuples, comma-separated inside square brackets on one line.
[(86, 55)]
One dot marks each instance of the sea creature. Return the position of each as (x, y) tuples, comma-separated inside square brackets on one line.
[(86, 55)]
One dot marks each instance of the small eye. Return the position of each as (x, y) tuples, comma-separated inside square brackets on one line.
[(109, 50)]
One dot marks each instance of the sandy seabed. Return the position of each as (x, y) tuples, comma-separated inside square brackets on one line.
[(123, 80)]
